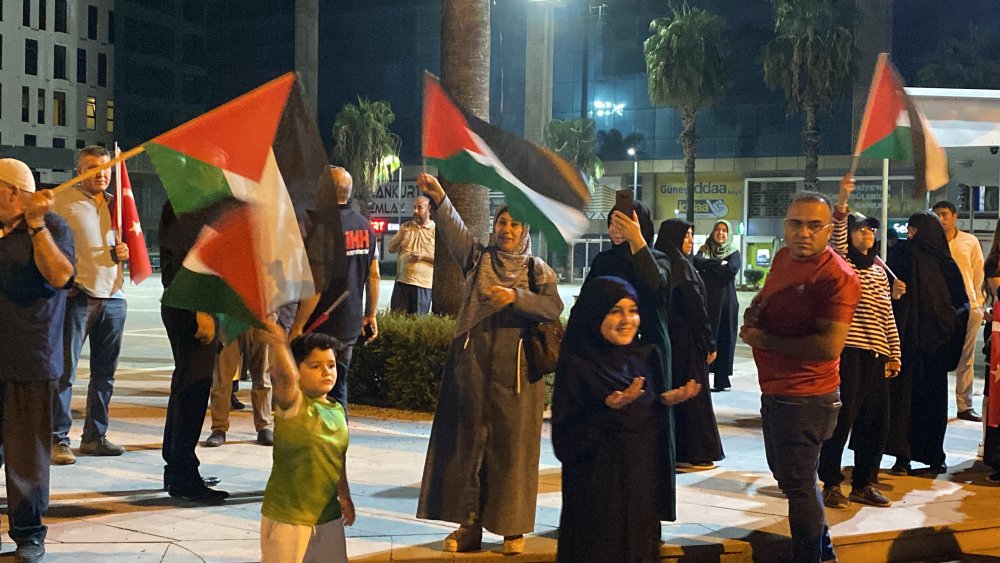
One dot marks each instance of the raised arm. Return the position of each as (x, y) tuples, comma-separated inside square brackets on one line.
[(285, 375), (52, 244), (456, 236), (838, 239)]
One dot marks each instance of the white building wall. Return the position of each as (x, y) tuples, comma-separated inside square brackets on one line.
[(13, 78)]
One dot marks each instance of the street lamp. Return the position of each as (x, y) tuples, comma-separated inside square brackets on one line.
[(635, 171)]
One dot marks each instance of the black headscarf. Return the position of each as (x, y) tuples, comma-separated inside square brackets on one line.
[(670, 241), (926, 315), (583, 331), (862, 260), (645, 222)]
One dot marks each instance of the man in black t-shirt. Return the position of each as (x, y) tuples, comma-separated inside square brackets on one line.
[(343, 260)]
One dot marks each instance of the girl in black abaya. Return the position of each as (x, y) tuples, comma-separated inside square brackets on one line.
[(696, 432), (604, 415), (931, 317), (718, 261)]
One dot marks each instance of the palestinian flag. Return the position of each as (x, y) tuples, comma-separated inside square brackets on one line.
[(541, 188), (893, 128), (254, 149)]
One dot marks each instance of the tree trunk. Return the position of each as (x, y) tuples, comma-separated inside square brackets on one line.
[(465, 74), (810, 141), (689, 140)]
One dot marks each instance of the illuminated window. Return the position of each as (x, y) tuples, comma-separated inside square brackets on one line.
[(110, 116), (91, 113), (41, 106)]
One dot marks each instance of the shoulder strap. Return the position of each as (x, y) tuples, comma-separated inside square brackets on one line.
[(532, 285)]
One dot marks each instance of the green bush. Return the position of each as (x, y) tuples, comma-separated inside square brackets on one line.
[(402, 367)]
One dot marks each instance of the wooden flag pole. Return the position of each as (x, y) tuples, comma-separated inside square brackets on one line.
[(97, 170)]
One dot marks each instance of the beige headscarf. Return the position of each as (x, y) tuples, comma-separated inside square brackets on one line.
[(497, 267)]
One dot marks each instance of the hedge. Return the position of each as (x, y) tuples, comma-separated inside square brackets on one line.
[(402, 367)]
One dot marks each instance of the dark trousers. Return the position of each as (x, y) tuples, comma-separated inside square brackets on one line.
[(410, 299), (26, 434), (189, 390), (864, 392), (344, 350), (794, 431)]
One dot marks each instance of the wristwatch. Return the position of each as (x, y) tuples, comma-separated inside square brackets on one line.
[(35, 230)]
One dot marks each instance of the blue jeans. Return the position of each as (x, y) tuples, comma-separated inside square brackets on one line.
[(794, 431), (103, 321)]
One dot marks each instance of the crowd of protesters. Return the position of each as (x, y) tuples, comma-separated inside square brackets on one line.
[(851, 351)]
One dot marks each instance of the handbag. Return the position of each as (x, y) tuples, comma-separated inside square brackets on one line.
[(541, 340)]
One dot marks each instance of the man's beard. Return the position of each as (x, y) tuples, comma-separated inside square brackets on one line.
[(419, 219)]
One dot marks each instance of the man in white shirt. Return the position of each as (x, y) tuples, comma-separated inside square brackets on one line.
[(95, 308), (968, 254), (415, 269)]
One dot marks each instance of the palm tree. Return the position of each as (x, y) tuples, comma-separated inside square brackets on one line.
[(812, 61), (612, 146), (575, 140), (465, 74), (365, 146), (964, 62), (687, 71)]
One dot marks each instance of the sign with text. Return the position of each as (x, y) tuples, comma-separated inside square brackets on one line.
[(717, 195)]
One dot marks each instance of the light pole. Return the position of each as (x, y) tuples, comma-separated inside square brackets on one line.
[(635, 171)]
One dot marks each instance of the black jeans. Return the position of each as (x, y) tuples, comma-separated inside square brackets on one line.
[(794, 431), (190, 387), (26, 449), (864, 391)]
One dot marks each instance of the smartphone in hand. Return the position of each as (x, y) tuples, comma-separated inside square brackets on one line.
[(624, 202)]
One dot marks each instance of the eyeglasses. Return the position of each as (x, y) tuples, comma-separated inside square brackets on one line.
[(811, 227)]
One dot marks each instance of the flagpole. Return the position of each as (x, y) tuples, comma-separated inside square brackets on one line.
[(97, 169), (118, 196), (885, 208)]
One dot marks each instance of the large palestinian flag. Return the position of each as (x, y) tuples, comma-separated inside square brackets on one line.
[(541, 188), (254, 149), (895, 129)]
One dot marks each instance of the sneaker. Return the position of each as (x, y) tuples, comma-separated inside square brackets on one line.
[(265, 437), (513, 545), (834, 498), (102, 447), (29, 551), (970, 414), (217, 438), (465, 538), (869, 495), (62, 454)]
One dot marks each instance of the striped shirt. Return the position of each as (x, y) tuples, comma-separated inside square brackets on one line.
[(874, 326)]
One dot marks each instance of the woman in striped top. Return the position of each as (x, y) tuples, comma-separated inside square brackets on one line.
[(870, 357)]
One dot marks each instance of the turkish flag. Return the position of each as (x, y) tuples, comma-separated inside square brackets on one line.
[(138, 257)]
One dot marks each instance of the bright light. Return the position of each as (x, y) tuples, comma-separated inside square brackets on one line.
[(631, 151), (607, 109)]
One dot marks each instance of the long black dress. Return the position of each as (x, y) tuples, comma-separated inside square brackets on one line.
[(696, 432), (931, 318), (646, 272), (719, 275), (610, 469)]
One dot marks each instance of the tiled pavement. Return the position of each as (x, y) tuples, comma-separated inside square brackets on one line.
[(112, 509)]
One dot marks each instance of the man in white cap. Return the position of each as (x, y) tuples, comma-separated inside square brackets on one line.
[(36, 267)]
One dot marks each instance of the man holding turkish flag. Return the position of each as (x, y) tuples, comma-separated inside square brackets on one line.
[(126, 214)]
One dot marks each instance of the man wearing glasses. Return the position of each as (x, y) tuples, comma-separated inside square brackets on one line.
[(797, 326)]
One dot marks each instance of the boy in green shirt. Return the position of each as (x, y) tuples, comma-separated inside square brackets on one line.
[(307, 501)]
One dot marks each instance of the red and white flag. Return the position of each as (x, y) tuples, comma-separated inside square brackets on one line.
[(126, 214)]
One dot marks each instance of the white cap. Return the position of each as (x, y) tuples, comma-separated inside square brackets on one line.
[(17, 174)]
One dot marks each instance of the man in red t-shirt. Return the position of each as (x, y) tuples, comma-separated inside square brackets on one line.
[(797, 326)]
